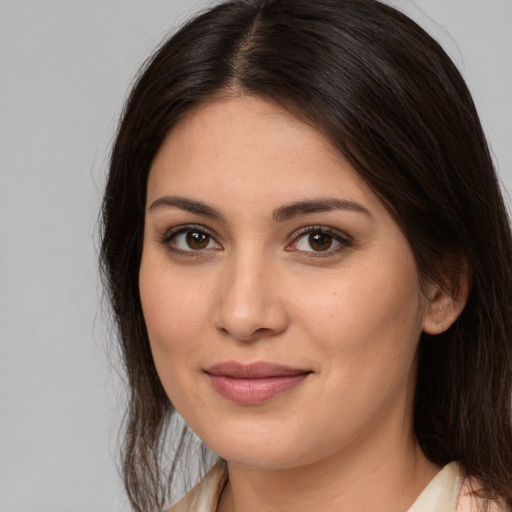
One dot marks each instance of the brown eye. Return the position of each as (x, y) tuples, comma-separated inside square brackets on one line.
[(197, 240), (320, 241), (190, 240)]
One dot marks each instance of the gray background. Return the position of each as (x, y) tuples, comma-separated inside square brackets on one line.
[(65, 66)]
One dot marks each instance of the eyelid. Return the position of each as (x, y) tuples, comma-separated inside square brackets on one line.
[(338, 235), (173, 232), (344, 240), (182, 228)]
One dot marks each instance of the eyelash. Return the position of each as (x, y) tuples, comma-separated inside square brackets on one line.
[(173, 233), (343, 240)]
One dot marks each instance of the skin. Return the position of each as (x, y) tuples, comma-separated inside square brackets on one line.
[(258, 289)]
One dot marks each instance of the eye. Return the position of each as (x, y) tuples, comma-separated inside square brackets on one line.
[(190, 239), (316, 242), (320, 240)]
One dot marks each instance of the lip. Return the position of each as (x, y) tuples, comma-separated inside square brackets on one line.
[(256, 383)]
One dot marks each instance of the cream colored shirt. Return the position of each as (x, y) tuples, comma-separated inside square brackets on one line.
[(447, 492)]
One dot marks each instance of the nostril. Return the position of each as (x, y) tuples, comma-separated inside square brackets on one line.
[(248, 311), (262, 332)]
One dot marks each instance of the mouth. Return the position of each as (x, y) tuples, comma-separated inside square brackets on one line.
[(254, 383)]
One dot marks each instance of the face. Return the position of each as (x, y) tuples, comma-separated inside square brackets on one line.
[(281, 298)]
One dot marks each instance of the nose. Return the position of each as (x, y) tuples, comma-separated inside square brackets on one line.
[(250, 301)]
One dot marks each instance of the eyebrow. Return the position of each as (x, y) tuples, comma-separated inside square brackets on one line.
[(318, 205), (281, 214), (189, 205)]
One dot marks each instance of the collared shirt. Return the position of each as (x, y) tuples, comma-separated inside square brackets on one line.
[(447, 492)]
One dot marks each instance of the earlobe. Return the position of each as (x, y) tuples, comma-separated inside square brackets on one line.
[(447, 299)]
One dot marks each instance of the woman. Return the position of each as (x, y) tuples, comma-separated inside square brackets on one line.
[(308, 256)]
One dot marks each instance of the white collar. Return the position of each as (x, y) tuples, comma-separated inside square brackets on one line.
[(440, 495)]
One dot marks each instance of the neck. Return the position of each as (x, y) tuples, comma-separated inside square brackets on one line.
[(385, 487), (382, 470)]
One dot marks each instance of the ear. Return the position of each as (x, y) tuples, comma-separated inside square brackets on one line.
[(447, 299)]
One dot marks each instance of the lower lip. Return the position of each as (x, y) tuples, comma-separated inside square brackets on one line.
[(254, 391)]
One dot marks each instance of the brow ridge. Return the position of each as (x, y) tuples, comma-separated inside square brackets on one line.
[(289, 211), (281, 214), (189, 205)]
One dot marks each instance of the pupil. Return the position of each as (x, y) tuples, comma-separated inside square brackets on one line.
[(320, 241), (197, 240)]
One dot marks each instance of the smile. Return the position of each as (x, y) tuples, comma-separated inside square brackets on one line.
[(255, 383)]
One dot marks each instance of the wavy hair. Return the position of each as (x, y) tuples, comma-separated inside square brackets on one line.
[(393, 103)]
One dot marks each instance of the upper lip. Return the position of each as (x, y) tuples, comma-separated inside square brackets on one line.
[(258, 370)]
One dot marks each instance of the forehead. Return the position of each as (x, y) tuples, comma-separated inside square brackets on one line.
[(250, 144)]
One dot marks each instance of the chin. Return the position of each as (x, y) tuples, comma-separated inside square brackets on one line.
[(264, 450), (261, 459), (253, 448)]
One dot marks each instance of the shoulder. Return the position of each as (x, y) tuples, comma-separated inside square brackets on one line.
[(470, 499), (451, 491), (205, 495)]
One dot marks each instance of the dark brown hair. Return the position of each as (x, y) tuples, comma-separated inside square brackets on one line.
[(390, 99)]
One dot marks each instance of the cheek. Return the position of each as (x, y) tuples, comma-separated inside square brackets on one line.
[(174, 311), (367, 329), (368, 320)]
